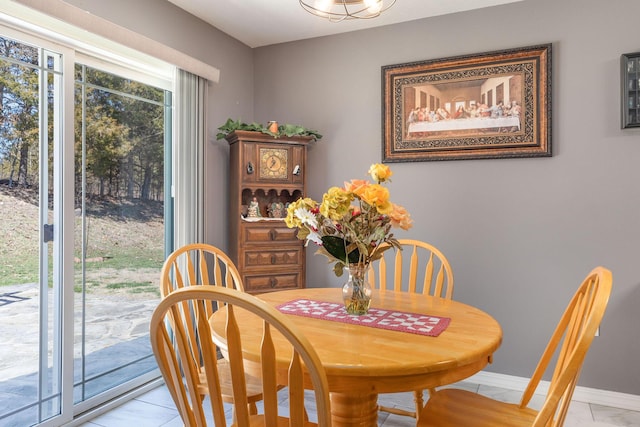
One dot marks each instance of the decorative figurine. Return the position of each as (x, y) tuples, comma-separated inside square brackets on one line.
[(254, 209), (277, 210)]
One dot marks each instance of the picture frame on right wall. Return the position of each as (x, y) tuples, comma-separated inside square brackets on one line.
[(630, 90), (482, 106)]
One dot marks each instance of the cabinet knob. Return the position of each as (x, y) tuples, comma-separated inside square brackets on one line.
[(249, 168), (273, 282), (273, 259), (273, 234)]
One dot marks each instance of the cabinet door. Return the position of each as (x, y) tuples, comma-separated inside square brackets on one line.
[(280, 164), (298, 164), (272, 163), (249, 163)]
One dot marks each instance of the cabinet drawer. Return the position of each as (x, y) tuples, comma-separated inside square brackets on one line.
[(263, 258), (272, 282), (268, 233)]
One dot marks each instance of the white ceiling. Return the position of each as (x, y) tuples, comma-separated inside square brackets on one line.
[(264, 22)]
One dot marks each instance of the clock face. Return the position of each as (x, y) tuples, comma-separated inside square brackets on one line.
[(273, 163)]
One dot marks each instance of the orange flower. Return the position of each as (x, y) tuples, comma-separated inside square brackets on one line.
[(400, 217), (378, 196), (356, 186)]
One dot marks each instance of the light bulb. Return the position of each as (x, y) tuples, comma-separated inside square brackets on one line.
[(323, 5), (373, 6)]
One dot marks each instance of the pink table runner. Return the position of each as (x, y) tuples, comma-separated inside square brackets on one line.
[(413, 323)]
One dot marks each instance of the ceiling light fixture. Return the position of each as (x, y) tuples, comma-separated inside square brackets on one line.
[(340, 10)]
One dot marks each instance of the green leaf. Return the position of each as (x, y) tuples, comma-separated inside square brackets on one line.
[(228, 127), (253, 127), (338, 249), (292, 130)]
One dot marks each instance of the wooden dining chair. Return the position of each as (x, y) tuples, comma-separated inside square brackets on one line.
[(180, 323), (204, 264), (419, 268), (568, 345)]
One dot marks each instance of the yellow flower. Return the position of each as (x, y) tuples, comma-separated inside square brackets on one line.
[(292, 220), (335, 203), (400, 217), (378, 196), (380, 173)]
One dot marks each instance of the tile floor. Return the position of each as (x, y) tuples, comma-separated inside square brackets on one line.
[(156, 409)]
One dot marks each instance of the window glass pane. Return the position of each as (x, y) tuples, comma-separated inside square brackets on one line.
[(115, 83), (16, 51), (119, 227)]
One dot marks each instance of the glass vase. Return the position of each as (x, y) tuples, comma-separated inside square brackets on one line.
[(356, 293)]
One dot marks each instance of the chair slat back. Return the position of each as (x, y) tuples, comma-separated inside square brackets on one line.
[(416, 260), (187, 306), (570, 343), (198, 264), (267, 353)]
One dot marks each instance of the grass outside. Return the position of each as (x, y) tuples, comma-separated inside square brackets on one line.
[(125, 243)]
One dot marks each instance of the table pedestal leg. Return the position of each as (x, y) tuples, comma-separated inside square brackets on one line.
[(349, 410)]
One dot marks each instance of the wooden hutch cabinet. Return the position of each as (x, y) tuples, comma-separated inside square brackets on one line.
[(272, 172)]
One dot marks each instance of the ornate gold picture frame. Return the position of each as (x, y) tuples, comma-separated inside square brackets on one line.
[(483, 106)]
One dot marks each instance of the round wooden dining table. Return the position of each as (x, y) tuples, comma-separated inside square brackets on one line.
[(363, 361)]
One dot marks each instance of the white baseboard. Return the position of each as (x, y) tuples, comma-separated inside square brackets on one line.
[(581, 394)]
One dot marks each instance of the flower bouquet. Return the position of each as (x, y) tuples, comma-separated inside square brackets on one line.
[(351, 225)]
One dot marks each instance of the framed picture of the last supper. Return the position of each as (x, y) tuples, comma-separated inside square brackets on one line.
[(482, 106)]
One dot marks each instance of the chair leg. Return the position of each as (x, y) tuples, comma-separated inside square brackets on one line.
[(253, 409), (419, 402)]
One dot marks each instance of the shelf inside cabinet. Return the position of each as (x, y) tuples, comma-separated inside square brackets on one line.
[(270, 203)]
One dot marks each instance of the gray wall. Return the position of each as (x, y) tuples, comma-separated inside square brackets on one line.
[(521, 234)]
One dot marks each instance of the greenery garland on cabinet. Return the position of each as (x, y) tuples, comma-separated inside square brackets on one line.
[(283, 130)]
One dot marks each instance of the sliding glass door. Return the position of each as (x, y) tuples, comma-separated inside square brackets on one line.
[(119, 227), (32, 297), (83, 159)]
